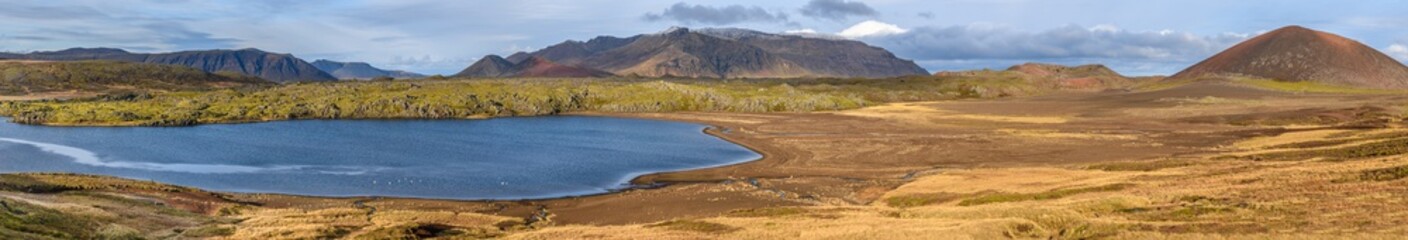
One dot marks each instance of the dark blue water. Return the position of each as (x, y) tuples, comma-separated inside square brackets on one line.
[(507, 158)]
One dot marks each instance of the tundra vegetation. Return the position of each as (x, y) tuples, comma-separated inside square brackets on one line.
[(1314, 180), (484, 98), (32, 77)]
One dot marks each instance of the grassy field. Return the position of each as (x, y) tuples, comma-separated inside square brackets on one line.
[(460, 99), (1079, 177)]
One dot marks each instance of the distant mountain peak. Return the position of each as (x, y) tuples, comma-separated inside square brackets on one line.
[(91, 50), (735, 33), (674, 30), (739, 33), (360, 70)]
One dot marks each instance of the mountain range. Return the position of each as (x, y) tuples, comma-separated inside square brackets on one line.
[(251, 62), (360, 70), (1297, 54), (1291, 53), (717, 53)]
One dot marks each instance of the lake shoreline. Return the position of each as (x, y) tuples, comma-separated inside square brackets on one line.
[(627, 183)]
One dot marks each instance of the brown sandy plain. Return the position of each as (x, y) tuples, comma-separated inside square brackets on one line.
[(1208, 160)]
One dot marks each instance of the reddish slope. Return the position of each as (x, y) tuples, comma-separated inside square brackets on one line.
[(1092, 76), (1295, 53), (728, 53), (541, 67)]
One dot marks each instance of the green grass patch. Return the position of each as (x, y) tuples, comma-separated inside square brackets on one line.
[(1363, 151), (104, 76), (1384, 174), (28, 184), (459, 99), (1310, 87), (1161, 84), (62, 182), (1190, 208), (24, 221), (209, 232), (428, 231), (695, 226), (766, 212), (1141, 166), (917, 200), (1048, 195), (1336, 142)]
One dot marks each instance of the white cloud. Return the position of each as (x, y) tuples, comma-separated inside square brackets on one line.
[(997, 46), (804, 31), (983, 41), (871, 28), (711, 15), (1399, 51), (1107, 28), (836, 9)]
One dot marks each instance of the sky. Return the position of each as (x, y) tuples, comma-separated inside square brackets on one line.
[(1147, 37)]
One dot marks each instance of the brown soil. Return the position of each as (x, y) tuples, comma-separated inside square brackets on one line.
[(854, 157), (846, 157)]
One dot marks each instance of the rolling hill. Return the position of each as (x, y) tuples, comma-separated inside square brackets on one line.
[(252, 62), (1298, 54), (360, 70), (38, 77), (1054, 77)]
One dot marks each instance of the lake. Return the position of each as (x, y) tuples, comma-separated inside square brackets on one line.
[(504, 158)]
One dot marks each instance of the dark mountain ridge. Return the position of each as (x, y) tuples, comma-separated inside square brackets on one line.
[(727, 53), (251, 62)]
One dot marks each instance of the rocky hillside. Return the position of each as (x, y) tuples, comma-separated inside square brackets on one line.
[(825, 56), (727, 53), (1054, 77), (39, 77), (1296, 54), (252, 62), (360, 70), (495, 66)]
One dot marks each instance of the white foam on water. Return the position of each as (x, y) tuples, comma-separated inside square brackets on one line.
[(85, 157)]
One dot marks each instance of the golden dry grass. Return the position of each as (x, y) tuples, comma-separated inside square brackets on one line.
[(917, 113), (1162, 199), (1057, 187), (361, 223)]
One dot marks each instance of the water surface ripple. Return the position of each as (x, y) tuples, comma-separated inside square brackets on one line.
[(506, 158)]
